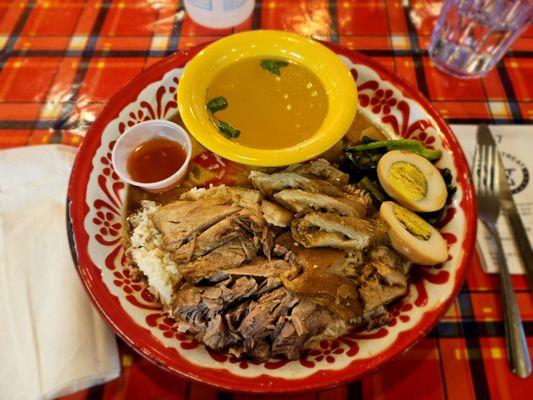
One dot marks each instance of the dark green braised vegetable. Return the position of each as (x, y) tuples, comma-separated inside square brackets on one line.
[(400, 144), (360, 164), (372, 188)]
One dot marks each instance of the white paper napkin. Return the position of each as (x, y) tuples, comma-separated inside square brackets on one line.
[(515, 143), (52, 340)]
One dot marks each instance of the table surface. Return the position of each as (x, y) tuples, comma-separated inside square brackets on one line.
[(61, 60)]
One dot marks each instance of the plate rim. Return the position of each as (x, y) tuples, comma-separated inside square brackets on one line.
[(322, 379)]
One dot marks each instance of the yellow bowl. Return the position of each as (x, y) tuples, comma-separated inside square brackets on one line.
[(326, 65)]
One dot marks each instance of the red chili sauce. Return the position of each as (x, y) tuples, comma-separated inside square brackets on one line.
[(155, 160)]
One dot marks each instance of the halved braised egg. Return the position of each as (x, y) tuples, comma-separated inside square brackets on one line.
[(412, 181), (413, 237)]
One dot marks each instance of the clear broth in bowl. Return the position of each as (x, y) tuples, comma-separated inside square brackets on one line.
[(273, 103)]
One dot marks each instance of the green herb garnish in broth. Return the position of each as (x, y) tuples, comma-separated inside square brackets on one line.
[(273, 66), (217, 104), (227, 130)]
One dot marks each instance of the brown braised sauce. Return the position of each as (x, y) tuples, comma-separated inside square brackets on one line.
[(155, 160)]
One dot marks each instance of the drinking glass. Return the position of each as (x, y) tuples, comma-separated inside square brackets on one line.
[(471, 36)]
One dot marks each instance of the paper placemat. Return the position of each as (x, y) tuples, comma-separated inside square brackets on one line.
[(515, 143)]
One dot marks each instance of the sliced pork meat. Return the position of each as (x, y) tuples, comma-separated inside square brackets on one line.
[(337, 293), (249, 244), (318, 320), (306, 319), (340, 232), (261, 352), (195, 307), (180, 221), (379, 285), (243, 197), (320, 168), (276, 215), (261, 321), (218, 336), (230, 255), (236, 315), (300, 201), (222, 232), (269, 184), (260, 268), (390, 257), (325, 258), (287, 342), (300, 316), (215, 236)]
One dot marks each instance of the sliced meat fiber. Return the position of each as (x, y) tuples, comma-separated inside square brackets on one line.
[(261, 351), (320, 168), (329, 259), (290, 335), (262, 318), (340, 232), (197, 305), (201, 303), (236, 315), (222, 232), (380, 284), (287, 342), (307, 319), (390, 257), (230, 255), (243, 197), (335, 292), (318, 320), (180, 221), (276, 215), (300, 314), (269, 184), (218, 336), (260, 268), (300, 201)]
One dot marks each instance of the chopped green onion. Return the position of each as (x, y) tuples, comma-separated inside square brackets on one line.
[(217, 104), (273, 66), (227, 130), (401, 144)]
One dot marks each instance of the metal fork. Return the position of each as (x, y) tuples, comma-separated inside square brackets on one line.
[(487, 185)]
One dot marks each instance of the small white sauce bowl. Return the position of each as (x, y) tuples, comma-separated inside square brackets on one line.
[(141, 133)]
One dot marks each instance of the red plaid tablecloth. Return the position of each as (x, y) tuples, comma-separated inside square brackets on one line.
[(61, 60)]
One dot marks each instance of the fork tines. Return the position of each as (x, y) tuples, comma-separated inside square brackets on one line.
[(486, 176)]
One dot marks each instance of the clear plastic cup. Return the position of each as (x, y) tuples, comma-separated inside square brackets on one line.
[(141, 133), (219, 14), (471, 36)]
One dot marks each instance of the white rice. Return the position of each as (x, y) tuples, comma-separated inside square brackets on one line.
[(161, 272), (335, 329)]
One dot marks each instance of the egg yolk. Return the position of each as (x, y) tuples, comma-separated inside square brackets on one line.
[(412, 222), (408, 180)]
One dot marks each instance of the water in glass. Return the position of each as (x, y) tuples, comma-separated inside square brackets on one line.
[(471, 36)]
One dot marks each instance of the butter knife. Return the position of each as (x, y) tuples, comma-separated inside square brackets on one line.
[(510, 210)]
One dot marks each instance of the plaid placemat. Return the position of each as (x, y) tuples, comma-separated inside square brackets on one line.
[(61, 60)]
